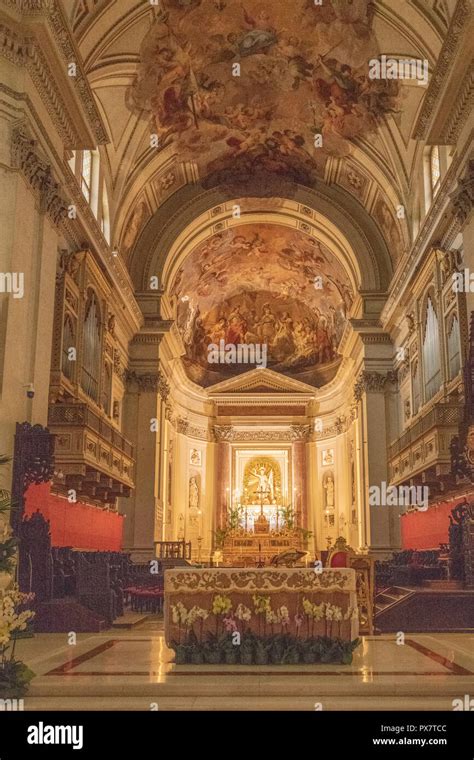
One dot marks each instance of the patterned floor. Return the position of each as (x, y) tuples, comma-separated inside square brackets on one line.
[(133, 669)]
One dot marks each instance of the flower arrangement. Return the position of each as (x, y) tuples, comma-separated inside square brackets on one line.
[(14, 674), (283, 645)]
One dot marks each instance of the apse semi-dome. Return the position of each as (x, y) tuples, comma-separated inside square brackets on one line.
[(268, 285)]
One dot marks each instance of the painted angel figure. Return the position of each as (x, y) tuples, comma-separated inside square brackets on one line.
[(265, 480)]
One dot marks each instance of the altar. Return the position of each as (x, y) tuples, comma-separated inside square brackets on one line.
[(299, 603), (261, 523)]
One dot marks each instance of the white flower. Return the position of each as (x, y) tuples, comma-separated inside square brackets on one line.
[(337, 613), (329, 611), (243, 613)]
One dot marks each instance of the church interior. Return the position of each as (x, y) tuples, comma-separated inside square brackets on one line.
[(237, 354)]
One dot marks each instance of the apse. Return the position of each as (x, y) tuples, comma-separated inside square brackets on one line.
[(262, 284)]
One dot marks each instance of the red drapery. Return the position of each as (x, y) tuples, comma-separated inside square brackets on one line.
[(79, 525), (427, 530)]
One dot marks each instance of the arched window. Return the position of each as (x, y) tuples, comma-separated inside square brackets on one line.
[(69, 341), (415, 387), (454, 354), (86, 174), (105, 221), (431, 353), (91, 349), (435, 169)]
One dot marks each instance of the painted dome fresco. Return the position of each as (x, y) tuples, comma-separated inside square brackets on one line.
[(262, 284)]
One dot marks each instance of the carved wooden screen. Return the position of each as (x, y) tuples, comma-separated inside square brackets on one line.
[(91, 349)]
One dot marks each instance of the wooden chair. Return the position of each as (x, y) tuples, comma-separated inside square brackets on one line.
[(341, 555)]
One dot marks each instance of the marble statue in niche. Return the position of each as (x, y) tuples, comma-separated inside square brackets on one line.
[(193, 503), (328, 486)]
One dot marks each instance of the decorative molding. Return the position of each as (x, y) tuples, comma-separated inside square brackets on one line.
[(192, 431), (414, 257), (26, 51), (149, 382), (463, 197), (300, 432), (445, 58), (67, 44), (39, 175), (373, 382), (461, 110)]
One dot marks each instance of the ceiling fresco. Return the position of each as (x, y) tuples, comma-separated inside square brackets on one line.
[(262, 284), (303, 73)]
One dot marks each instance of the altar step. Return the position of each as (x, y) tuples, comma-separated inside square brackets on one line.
[(424, 610), (391, 596), (245, 683), (248, 703), (130, 620)]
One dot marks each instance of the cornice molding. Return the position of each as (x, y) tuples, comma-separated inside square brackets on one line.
[(438, 80), (462, 110), (27, 49)]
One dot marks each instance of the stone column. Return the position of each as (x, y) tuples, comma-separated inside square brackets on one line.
[(299, 473), (380, 529), (143, 412), (33, 209), (223, 435)]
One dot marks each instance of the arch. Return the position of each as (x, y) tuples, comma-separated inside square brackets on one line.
[(327, 210)]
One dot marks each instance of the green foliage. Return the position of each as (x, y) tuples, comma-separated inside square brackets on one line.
[(14, 678), (287, 516), (7, 554), (220, 536), (280, 649)]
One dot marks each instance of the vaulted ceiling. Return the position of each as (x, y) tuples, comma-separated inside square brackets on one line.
[(171, 72)]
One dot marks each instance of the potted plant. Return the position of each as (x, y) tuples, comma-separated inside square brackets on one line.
[(308, 651), (291, 655), (181, 653), (247, 648), (278, 644), (261, 652), (212, 650), (348, 650), (230, 650)]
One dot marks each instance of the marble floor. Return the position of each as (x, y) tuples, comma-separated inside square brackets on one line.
[(133, 669)]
